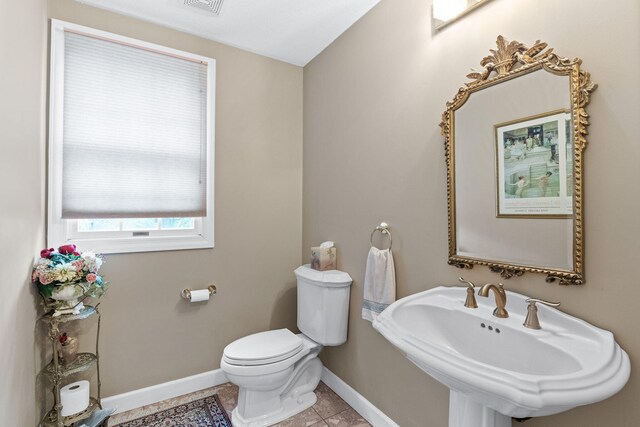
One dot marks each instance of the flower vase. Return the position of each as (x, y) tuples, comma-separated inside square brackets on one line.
[(69, 351), (67, 298)]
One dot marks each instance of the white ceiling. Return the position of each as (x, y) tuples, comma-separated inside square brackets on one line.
[(294, 31)]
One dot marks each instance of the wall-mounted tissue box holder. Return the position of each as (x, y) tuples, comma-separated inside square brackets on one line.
[(323, 258)]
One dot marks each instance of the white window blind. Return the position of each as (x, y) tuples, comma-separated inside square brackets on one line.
[(134, 132)]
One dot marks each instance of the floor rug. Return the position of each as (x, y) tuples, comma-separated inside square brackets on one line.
[(207, 412)]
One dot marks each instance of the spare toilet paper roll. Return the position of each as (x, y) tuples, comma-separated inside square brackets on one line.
[(200, 295), (74, 398)]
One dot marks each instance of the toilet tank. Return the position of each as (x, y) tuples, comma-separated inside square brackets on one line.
[(323, 304)]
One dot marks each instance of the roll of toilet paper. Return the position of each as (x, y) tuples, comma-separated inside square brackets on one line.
[(200, 295), (74, 398)]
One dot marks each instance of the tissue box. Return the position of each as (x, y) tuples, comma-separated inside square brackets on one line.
[(323, 258)]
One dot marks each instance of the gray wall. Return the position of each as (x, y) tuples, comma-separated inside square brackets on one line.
[(22, 155), (149, 334), (373, 152)]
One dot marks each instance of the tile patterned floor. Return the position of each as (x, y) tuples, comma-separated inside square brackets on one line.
[(329, 411)]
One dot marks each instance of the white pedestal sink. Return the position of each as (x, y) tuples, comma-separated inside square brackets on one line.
[(496, 368), (464, 412)]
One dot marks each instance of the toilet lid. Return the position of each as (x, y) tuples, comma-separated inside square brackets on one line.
[(263, 347)]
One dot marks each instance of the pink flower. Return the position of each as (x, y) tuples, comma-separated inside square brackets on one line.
[(34, 275), (46, 253), (78, 264), (91, 277), (46, 278), (67, 249)]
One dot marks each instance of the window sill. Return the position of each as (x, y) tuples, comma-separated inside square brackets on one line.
[(142, 244)]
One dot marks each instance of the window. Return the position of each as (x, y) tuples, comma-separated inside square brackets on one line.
[(130, 143)]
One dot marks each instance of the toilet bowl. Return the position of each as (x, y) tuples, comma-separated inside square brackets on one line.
[(277, 371), (272, 386)]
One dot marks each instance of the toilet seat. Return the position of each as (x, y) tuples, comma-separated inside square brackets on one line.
[(263, 348)]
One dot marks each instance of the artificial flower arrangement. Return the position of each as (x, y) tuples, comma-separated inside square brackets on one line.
[(66, 276)]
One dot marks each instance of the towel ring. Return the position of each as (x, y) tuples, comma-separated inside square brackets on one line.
[(384, 229)]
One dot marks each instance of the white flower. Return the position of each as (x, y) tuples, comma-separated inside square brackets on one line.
[(42, 266), (65, 273), (42, 263), (91, 262)]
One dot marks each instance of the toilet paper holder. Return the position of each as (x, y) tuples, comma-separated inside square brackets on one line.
[(186, 293)]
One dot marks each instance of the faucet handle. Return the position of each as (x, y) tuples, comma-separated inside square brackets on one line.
[(533, 301), (470, 284), (470, 302), (531, 321)]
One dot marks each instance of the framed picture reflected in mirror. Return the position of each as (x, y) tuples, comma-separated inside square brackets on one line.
[(534, 167)]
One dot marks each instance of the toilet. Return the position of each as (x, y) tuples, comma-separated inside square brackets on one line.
[(277, 371)]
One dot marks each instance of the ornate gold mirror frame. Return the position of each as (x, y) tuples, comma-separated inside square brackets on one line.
[(511, 60)]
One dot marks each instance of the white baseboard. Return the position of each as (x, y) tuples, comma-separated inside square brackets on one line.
[(375, 416), (157, 393)]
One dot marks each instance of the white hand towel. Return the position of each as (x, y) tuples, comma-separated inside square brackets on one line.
[(379, 283)]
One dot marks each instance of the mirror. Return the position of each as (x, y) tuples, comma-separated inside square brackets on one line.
[(514, 140)]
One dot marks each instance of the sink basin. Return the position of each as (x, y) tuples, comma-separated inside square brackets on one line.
[(493, 364)]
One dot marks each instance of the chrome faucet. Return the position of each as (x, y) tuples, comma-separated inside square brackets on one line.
[(501, 298)]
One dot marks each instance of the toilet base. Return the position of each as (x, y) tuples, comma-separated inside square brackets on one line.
[(290, 407), (261, 406)]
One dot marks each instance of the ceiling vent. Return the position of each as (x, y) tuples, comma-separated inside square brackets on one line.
[(211, 6)]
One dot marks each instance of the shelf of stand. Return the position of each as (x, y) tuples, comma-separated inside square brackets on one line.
[(83, 362), (87, 311), (56, 371), (51, 419)]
